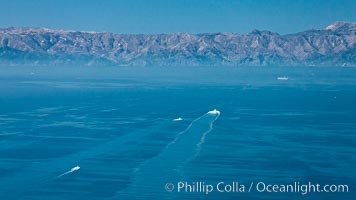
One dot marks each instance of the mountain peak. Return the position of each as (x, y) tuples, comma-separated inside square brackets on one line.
[(342, 26), (262, 32), (24, 30)]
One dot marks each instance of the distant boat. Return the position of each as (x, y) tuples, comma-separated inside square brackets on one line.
[(178, 119), (282, 78)]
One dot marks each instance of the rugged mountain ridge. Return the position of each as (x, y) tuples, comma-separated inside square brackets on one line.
[(333, 46)]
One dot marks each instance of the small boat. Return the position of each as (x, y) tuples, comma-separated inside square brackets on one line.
[(282, 78), (178, 119), (214, 112)]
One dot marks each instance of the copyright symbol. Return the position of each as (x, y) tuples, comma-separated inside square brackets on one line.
[(169, 187)]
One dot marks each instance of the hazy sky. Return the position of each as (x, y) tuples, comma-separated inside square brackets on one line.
[(167, 16)]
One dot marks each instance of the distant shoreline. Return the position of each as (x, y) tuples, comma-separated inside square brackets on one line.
[(334, 45)]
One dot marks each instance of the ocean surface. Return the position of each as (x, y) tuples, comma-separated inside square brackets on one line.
[(109, 133)]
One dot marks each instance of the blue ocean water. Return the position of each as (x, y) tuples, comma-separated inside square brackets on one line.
[(117, 126)]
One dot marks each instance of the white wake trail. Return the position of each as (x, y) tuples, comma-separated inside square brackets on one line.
[(202, 140), (76, 168), (169, 164)]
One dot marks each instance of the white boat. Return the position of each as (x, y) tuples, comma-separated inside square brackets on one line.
[(214, 112), (282, 78), (178, 119)]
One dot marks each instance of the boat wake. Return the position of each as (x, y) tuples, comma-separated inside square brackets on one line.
[(168, 165), (76, 168)]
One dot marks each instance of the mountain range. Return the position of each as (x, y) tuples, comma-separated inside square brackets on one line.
[(335, 45)]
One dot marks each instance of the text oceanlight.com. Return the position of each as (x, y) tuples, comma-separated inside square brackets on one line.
[(261, 187)]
